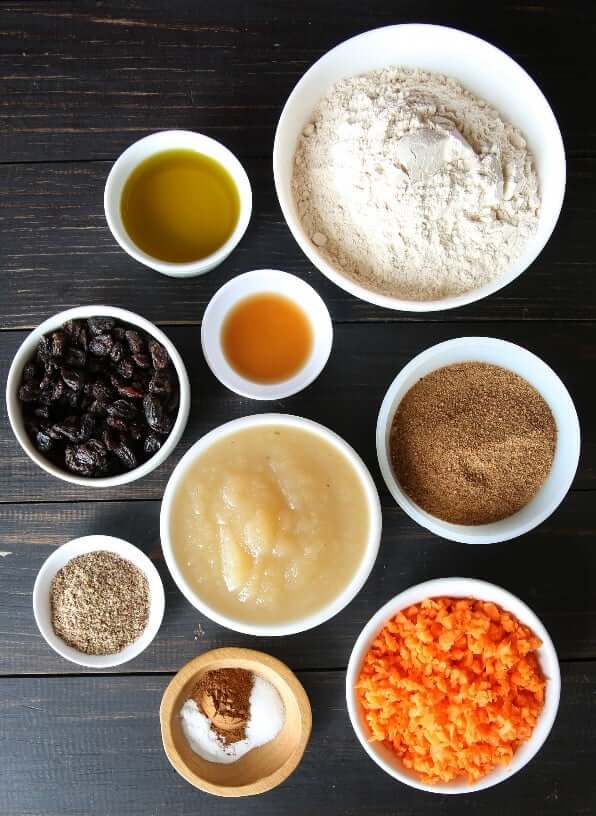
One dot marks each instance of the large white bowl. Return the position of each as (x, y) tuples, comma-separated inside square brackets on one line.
[(81, 546), (372, 544), (537, 373), (27, 350), (455, 588), (482, 69)]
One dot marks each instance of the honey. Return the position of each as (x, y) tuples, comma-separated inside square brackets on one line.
[(179, 206), (267, 338)]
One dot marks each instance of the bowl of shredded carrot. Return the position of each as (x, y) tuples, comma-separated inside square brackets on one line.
[(453, 686)]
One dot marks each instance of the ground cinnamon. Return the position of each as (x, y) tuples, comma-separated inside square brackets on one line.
[(223, 695), (472, 443)]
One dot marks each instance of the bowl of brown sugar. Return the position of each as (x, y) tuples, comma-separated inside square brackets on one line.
[(478, 440)]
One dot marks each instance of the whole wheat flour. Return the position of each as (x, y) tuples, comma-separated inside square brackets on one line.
[(413, 186)]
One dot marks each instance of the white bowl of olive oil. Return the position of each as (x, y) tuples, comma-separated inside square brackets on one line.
[(178, 202)]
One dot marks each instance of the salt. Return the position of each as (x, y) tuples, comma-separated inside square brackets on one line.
[(266, 719)]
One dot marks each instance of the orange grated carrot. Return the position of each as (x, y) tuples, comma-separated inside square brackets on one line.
[(452, 686)]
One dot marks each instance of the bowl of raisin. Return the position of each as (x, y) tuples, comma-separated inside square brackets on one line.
[(98, 396)]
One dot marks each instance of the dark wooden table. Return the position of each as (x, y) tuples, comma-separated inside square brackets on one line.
[(79, 82)]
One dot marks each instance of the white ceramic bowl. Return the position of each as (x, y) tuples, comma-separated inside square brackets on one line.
[(81, 546), (455, 588), (172, 140), (482, 69), (27, 350), (372, 544), (280, 283), (537, 373)]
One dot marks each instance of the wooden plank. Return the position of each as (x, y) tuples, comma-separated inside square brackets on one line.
[(83, 82), (346, 397), (533, 568), (57, 251), (91, 746)]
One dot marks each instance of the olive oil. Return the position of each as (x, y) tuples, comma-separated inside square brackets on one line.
[(266, 338), (179, 206)]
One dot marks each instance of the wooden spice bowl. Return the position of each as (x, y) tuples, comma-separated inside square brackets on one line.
[(262, 768)]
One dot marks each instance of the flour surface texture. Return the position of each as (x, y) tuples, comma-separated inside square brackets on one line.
[(413, 186)]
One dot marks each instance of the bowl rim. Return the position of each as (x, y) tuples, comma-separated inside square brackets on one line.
[(469, 588), (201, 143), (360, 576), (472, 534), (343, 280), (251, 657), (25, 351), (269, 281), (96, 543)]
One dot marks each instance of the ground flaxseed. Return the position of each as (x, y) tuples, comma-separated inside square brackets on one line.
[(472, 443), (99, 603)]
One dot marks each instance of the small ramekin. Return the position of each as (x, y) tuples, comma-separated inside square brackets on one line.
[(81, 546), (172, 140), (279, 283), (456, 588), (537, 373), (27, 350), (358, 579)]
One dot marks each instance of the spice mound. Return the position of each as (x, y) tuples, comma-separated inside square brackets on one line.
[(99, 603), (453, 687), (413, 186), (230, 712), (99, 397), (472, 443)]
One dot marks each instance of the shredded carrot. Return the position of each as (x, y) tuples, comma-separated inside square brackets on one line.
[(452, 686)]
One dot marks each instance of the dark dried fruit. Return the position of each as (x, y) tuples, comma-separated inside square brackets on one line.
[(152, 443), (155, 416), (100, 325), (122, 408), (101, 345), (159, 356), (126, 455), (81, 395)]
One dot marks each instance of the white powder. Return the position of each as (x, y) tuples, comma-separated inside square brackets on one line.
[(413, 186), (266, 719)]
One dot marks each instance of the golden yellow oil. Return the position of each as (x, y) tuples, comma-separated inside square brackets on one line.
[(179, 206)]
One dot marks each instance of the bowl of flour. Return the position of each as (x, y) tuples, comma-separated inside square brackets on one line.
[(418, 167)]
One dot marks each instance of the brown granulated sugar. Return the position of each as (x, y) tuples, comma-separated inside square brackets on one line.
[(472, 443)]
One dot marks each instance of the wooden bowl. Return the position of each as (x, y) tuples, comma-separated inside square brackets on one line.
[(262, 768)]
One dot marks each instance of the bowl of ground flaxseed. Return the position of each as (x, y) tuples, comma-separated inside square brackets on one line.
[(478, 440), (98, 601)]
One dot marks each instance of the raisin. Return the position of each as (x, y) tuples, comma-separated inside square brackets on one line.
[(161, 384), (67, 429), (75, 357), (98, 408), (135, 341), (126, 455), (73, 379), (43, 441), (58, 343), (42, 411), (155, 416), (122, 408), (101, 345), (100, 325), (77, 332), (28, 392), (30, 372), (117, 351), (88, 426), (141, 359), (126, 368), (110, 439), (44, 349), (137, 431), (160, 357), (78, 461), (102, 391), (125, 390), (118, 424), (152, 443)]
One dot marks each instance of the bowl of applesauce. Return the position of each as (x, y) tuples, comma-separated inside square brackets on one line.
[(270, 524)]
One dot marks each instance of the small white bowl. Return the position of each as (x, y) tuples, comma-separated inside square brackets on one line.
[(172, 140), (537, 373), (27, 350), (80, 546), (455, 588), (502, 82), (279, 283), (372, 544)]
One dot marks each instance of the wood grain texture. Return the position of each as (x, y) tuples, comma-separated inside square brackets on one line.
[(346, 396), (83, 80), (543, 568), (57, 251), (91, 746)]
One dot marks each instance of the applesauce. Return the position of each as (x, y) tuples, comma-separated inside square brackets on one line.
[(269, 524)]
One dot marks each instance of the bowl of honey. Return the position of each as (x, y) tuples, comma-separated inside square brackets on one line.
[(266, 334), (178, 202)]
